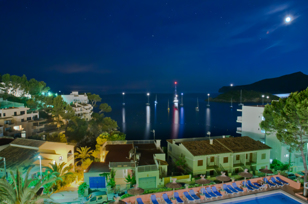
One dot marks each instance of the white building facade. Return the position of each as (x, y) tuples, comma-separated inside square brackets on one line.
[(250, 126)]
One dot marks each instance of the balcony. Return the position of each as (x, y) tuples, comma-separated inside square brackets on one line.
[(147, 168), (239, 119), (238, 130), (122, 165), (251, 163), (240, 110)]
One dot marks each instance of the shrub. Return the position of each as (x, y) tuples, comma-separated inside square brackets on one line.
[(125, 196), (82, 187)]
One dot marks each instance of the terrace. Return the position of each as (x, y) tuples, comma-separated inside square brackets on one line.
[(293, 188)]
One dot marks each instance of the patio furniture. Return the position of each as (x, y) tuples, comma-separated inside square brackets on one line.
[(269, 183), (166, 199), (202, 181), (275, 182), (237, 188), (173, 185), (203, 191), (135, 191), (266, 171), (228, 191), (245, 174), (192, 194), (232, 189), (281, 181), (223, 177), (215, 191), (248, 187), (209, 191), (139, 201), (153, 199), (188, 197), (251, 185), (177, 197)]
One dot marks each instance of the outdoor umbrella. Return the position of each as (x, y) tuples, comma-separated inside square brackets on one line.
[(245, 174), (266, 171), (135, 191), (223, 177), (202, 180), (174, 185), (117, 201)]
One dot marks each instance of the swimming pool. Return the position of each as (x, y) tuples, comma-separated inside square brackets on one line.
[(266, 199)]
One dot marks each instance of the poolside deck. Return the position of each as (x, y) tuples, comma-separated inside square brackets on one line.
[(290, 189)]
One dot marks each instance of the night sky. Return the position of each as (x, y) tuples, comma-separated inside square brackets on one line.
[(110, 46)]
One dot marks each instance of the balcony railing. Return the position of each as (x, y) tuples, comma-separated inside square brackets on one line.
[(238, 130), (131, 142), (239, 119), (121, 164), (147, 168)]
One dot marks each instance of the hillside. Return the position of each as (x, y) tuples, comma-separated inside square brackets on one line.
[(283, 84), (247, 96)]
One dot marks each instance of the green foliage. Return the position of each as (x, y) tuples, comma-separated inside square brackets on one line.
[(82, 187), (278, 165), (104, 108), (111, 181), (126, 196), (20, 191), (181, 163), (94, 98), (130, 179), (83, 153), (288, 119), (56, 137), (76, 129), (58, 109), (157, 190)]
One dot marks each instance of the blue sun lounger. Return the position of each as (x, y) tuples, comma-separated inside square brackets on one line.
[(205, 193), (281, 181), (189, 198), (224, 186), (269, 183), (237, 188), (177, 197), (166, 199), (251, 185), (214, 189), (209, 191), (275, 182), (232, 189), (153, 199), (139, 201), (248, 187), (192, 194)]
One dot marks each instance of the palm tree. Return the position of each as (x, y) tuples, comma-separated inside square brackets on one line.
[(19, 191), (83, 153), (61, 170)]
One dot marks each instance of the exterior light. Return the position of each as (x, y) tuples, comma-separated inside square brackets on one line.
[(123, 93), (182, 94), (40, 158), (208, 94), (262, 96), (267, 97), (148, 94), (175, 82), (231, 85)]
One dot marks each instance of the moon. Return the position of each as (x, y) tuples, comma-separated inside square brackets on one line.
[(288, 19)]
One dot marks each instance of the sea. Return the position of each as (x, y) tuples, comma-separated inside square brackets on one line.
[(137, 120)]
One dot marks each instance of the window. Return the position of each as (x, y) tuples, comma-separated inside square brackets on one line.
[(15, 113), (246, 156), (212, 159), (3, 114), (0, 114), (28, 118), (22, 112), (226, 159), (200, 162), (237, 157), (263, 156), (22, 120)]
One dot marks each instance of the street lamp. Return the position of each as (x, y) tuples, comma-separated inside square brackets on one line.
[(40, 158), (4, 165), (262, 99), (267, 97), (209, 134), (208, 99)]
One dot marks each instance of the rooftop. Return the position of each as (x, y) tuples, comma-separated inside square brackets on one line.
[(224, 145), (17, 156), (118, 153), (98, 167), (147, 152), (28, 142)]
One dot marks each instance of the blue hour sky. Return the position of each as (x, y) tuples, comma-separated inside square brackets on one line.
[(110, 46)]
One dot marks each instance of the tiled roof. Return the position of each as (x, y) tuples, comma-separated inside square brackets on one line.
[(28, 142)]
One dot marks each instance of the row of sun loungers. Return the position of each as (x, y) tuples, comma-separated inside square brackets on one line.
[(211, 193)]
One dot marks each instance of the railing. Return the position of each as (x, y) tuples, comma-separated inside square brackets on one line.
[(221, 167), (121, 164), (238, 129), (239, 119), (147, 168), (131, 142), (69, 157)]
